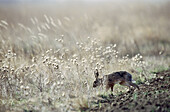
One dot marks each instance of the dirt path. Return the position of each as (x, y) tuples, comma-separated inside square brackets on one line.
[(152, 97)]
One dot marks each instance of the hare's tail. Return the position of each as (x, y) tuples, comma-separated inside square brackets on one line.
[(133, 81)]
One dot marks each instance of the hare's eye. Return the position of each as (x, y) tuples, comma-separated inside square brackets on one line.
[(95, 82)]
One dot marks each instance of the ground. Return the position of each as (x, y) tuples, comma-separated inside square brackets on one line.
[(152, 97)]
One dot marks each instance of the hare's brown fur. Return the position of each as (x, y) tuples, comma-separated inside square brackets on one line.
[(122, 77)]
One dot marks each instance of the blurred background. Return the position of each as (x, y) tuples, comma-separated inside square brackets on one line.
[(135, 26)]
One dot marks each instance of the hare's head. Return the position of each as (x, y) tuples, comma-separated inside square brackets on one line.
[(98, 80)]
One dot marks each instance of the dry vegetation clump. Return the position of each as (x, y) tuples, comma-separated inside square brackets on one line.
[(47, 57)]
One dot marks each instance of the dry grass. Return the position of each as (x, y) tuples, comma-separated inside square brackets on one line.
[(48, 53)]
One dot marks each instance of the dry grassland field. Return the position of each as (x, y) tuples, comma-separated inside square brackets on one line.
[(50, 50)]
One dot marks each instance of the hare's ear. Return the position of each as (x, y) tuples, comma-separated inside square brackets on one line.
[(96, 73)]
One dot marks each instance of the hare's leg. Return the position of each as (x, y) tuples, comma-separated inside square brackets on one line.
[(123, 83), (109, 86), (134, 85), (112, 87)]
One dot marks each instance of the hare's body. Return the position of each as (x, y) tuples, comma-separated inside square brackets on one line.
[(122, 77)]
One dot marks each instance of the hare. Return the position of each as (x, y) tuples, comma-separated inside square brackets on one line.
[(122, 77)]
